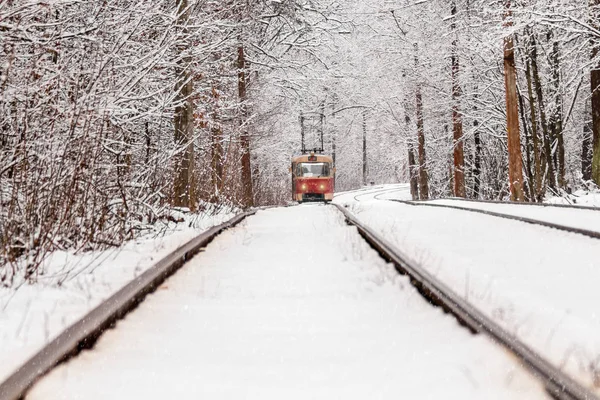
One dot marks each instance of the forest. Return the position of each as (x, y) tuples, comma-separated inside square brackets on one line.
[(114, 112)]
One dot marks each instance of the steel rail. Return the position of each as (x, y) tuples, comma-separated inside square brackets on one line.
[(518, 203), (367, 190), (377, 192), (376, 197), (585, 232), (347, 193), (557, 383), (85, 332)]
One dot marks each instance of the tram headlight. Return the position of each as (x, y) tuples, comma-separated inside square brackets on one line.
[(322, 186), (304, 187)]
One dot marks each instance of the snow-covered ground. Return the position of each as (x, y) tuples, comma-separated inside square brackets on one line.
[(581, 218), (589, 198), (541, 284), (33, 314), (291, 304)]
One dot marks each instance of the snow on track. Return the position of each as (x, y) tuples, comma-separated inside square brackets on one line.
[(572, 217), (393, 191), (539, 283), (290, 304)]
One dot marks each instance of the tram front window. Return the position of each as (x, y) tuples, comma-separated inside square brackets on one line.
[(315, 170)]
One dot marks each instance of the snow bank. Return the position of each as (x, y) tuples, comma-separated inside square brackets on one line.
[(589, 198), (33, 314)]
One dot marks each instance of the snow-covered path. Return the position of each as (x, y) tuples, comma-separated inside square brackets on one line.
[(291, 304), (540, 283)]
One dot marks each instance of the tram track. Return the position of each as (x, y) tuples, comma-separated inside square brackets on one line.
[(557, 383), (363, 192), (85, 332), (370, 191), (517, 203), (388, 191), (373, 192), (533, 221)]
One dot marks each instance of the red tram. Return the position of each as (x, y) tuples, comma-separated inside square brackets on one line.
[(313, 178)]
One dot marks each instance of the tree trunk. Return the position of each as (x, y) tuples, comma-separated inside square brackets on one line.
[(364, 149), (423, 178), (148, 142), (247, 196), (333, 139), (529, 187), (477, 162), (515, 162), (184, 119), (412, 170), (334, 102), (557, 125), (551, 176), (457, 125), (595, 81), (537, 159), (450, 176), (586, 145), (412, 162), (216, 132)]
